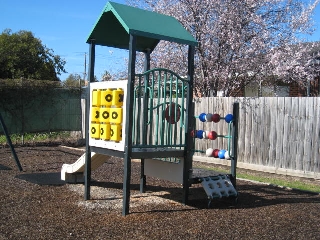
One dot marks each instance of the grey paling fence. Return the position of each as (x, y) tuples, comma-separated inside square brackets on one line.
[(43, 111), (276, 134)]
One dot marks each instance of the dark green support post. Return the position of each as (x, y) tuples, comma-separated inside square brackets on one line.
[(5, 130), (188, 154), (235, 144), (145, 109), (129, 120), (87, 171)]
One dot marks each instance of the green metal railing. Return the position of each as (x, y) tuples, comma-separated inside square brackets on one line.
[(159, 111)]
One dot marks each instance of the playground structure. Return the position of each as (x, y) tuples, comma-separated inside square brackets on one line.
[(212, 135), (73, 173), (219, 186), (150, 116)]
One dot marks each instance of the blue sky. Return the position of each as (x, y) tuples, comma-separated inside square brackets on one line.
[(64, 25)]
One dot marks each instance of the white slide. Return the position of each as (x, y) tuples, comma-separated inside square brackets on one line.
[(73, 173)]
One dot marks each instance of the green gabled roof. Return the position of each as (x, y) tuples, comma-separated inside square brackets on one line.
[(118, 21)]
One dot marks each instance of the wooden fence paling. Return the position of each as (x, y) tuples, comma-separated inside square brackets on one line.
[(278, 135), (315, 138), (308, 132)]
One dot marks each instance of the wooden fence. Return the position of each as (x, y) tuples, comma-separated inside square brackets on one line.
[(276, 134)]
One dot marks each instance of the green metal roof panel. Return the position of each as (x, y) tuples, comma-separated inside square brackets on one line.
[(117, 21)]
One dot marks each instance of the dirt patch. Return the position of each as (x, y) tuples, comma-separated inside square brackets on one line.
[(43, 210)]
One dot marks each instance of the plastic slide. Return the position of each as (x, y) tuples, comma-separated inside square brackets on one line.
[(73, 173)]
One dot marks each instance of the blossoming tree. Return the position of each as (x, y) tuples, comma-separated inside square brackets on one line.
[(240, 42)]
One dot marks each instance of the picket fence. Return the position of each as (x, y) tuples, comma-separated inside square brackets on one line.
[(275, 134)]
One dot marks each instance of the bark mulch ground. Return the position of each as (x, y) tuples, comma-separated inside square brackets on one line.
[(36, 204)]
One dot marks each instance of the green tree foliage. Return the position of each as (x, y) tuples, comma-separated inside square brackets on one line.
[(24, 56), (73, 80)]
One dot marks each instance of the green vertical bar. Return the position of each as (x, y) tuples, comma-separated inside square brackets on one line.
[(235, 144), (176, 111), (187, 165), (183, 120), (87, 171), (129, 118), (145, 114), (142, 165), (168, 130), (158, 111), (134, 131), (137, 137), (163, 107), (151, 96)]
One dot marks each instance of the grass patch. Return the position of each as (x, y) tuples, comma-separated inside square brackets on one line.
[(275, 181), (35, 137), (280, 182)]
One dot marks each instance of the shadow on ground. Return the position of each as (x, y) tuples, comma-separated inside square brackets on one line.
[(53, 178), (3, 167), (250, 195)]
